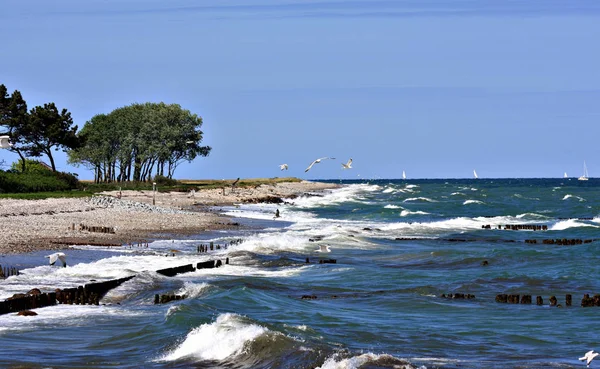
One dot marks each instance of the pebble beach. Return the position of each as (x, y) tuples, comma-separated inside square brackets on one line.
[(50, 224)]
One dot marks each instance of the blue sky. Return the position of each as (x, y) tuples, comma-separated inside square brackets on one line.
[(435, 88)]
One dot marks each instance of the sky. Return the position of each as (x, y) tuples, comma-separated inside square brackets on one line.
[(433, 88)]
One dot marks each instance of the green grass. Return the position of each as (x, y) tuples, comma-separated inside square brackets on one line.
[(45, 195)]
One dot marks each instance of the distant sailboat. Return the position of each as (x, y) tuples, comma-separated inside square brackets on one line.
[(584, 177), (565, 175), (475, 174), (403, 175)]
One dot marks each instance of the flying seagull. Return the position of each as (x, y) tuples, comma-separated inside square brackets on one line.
[(5, 142), (348, 165), (315, 162), (283, 167), (58, 256), (323, 248), (589, 356)]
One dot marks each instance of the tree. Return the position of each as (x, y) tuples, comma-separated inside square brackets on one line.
[(47, 130), (139, 140), (14, 117)]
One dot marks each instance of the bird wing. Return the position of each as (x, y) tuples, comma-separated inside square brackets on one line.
[(52, 258), (311, 164), (63, 259), (349, 162)]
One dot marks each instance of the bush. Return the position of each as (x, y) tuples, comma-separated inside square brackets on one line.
[(36, 182), (165, 181), (31, 166)]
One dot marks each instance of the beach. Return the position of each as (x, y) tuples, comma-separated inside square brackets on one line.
[(52, 224)]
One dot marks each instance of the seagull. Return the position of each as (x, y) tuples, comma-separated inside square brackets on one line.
[(315, 162), (348, 165), (589, 356), (323, 248), (283, 167), (5, 142), (58, 256)]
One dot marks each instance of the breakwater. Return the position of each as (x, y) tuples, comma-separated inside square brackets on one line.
[(90, 293)]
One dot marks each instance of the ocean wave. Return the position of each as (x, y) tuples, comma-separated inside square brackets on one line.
[(388, 190), (573, 197), (224, 338), (405, 213), (531, 215), (337, 362), (570, 223), (467, 202), (389, 206), (412, 199), (344, 194), (457, 194), (193, 290)]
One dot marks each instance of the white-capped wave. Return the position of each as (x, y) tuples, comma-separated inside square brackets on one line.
[(412, 199), (390, 206), (468, 202), (192, 290), (388, 190), (531, 215), (412, 186), (355, 362), (573, 197), (457, 194), (570, 223), (224, 338), (405, 213), (350, 193)]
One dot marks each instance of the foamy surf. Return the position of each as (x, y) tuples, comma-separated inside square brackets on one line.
[(224, 338), (356, 362), (471, 202)]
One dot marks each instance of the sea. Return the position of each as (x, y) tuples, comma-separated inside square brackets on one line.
[(410, 280)]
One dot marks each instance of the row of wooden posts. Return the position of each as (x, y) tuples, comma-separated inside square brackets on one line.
[(586, 301), (211, 246), (97, 229), (90, 293), (518, 227), (8, 271)]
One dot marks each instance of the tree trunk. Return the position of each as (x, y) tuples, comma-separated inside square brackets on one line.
[(49, 153)]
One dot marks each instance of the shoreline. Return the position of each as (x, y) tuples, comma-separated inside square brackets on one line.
[(57, 223)]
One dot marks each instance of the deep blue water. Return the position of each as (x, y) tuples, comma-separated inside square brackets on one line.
[(399, 245)]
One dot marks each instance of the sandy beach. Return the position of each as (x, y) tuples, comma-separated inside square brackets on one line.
[(51, 224)]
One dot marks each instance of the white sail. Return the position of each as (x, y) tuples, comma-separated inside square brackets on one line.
[(403, 175), (565, 175), (584, 177), (475, 174)]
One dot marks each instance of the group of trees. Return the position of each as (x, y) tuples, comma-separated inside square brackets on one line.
[(37, 132), (135, 142), (139, 141)]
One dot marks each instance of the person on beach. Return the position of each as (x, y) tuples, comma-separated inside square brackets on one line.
[(277, 213)]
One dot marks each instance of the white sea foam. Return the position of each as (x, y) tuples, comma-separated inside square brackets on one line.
[(570, 223), (573, 197), (351, 193), (412, 199), (224, 338), (531, 215), (412, 186), (389, 206), (193, 290), (405, 213), (468, 202), (355, 362), (64, 316), (457, 194), (388, 190)]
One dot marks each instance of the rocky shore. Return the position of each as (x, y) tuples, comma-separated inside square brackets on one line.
[(127, 216)]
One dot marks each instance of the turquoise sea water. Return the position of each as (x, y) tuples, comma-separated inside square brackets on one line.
[(399, 246)]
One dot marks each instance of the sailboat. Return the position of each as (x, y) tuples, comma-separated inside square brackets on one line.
[(565, 175), (403, 175), (584, 177), (475, 174)]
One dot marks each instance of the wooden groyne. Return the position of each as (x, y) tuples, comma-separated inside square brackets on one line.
[(517, 227), (8, 271), (90, 293), (586, 301)]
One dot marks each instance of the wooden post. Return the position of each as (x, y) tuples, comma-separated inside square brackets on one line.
[(568, 299)]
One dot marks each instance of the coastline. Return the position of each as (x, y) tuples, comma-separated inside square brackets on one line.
[(55, 224)]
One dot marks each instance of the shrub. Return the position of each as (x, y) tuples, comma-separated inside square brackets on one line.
[(48, 181), (165, 181)]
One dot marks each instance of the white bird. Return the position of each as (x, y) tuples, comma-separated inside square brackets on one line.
[(283, 167), (348, 165), (315, 162), (589, 356), (58, 256), (323, 248), (5, 142)]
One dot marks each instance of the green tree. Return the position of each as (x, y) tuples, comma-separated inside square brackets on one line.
[(13, 118), (49, 130), (140, 141)]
